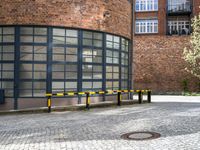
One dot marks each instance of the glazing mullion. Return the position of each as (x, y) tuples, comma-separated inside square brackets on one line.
[(16, 66), (49, 60), (80, 63), (120, 61)]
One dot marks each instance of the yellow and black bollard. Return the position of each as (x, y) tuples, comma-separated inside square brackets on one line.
[(140, 97), (119, 98), (88, 100), (49, 104), (149, 96)]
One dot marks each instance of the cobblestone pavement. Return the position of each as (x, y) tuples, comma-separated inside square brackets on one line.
[(177, 119)]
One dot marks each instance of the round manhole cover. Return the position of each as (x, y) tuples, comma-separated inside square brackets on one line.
[(139, 136)]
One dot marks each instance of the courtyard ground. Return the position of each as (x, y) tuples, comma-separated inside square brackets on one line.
[(176, 118)]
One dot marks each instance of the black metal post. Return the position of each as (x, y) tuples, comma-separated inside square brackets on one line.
[(149, 96), (140, 97), (119, 98)]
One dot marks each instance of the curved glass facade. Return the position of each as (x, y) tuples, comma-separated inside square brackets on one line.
[(35, 60)]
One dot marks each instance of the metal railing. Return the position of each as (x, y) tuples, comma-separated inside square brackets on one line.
[(184, 31), (88, 95), (181, 8)]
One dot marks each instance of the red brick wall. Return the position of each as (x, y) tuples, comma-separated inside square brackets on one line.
[(105, 15), (160, 15), (158, 64), (196, 7)]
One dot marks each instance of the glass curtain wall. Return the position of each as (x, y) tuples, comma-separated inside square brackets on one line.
[(31, 57), (7, 55)]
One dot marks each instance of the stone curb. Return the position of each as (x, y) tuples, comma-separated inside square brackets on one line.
[(78, 107)]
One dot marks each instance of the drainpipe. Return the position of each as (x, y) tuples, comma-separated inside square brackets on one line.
[(131, 51)]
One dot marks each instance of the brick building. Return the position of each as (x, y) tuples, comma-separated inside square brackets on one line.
[(62, 45), (80, 45), (162, 30)]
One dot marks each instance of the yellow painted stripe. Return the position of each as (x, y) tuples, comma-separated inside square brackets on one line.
[(143, 90), (48, 94), (101, 92), (60, 94), (119, 91), (131, 90), (71, 94), (120, 97), (81, 93), (92, 93), (137, 90), (126, 91), (49, 102), (110, 92)]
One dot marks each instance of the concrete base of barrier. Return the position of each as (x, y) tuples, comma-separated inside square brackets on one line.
[(77, 107)]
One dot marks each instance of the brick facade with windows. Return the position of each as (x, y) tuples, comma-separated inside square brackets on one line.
[(60, 46), (158, 62)]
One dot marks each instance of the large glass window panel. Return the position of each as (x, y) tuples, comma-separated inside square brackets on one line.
[(71, 58), (71, 41), (58, 86), (40, 31), (71, 86), (40, 39), (8, 38), (92, 39), (71, 75), (58, 32), (72, 33), (87, 85), (26, 30), (97, 85), (58, 40), (8, 30), (8, 87), (112, 42), (73, 51)]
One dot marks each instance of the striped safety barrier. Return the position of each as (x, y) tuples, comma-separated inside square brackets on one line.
[(88, 94)]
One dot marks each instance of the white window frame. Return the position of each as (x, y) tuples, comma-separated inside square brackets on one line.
[(178, 25), (146, 5), (146, 26)]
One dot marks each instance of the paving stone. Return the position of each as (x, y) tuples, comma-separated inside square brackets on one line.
[(175, 118)]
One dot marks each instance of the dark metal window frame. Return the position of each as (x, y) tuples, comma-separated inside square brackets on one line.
[(49, 62)]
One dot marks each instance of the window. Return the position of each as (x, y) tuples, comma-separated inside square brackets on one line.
[(63, 36), (92, 39), (112, 61), (33, 57), (64, 57), (146, 5), (92, 61), (7, 55), (146, 26), (39, 59), (124, 63), (179, 27), (179, 5)]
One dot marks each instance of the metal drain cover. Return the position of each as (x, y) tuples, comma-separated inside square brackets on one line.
[(140, 136)]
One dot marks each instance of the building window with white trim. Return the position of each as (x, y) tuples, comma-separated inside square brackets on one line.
[(180, 27), (146, 5), (146, 26)]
